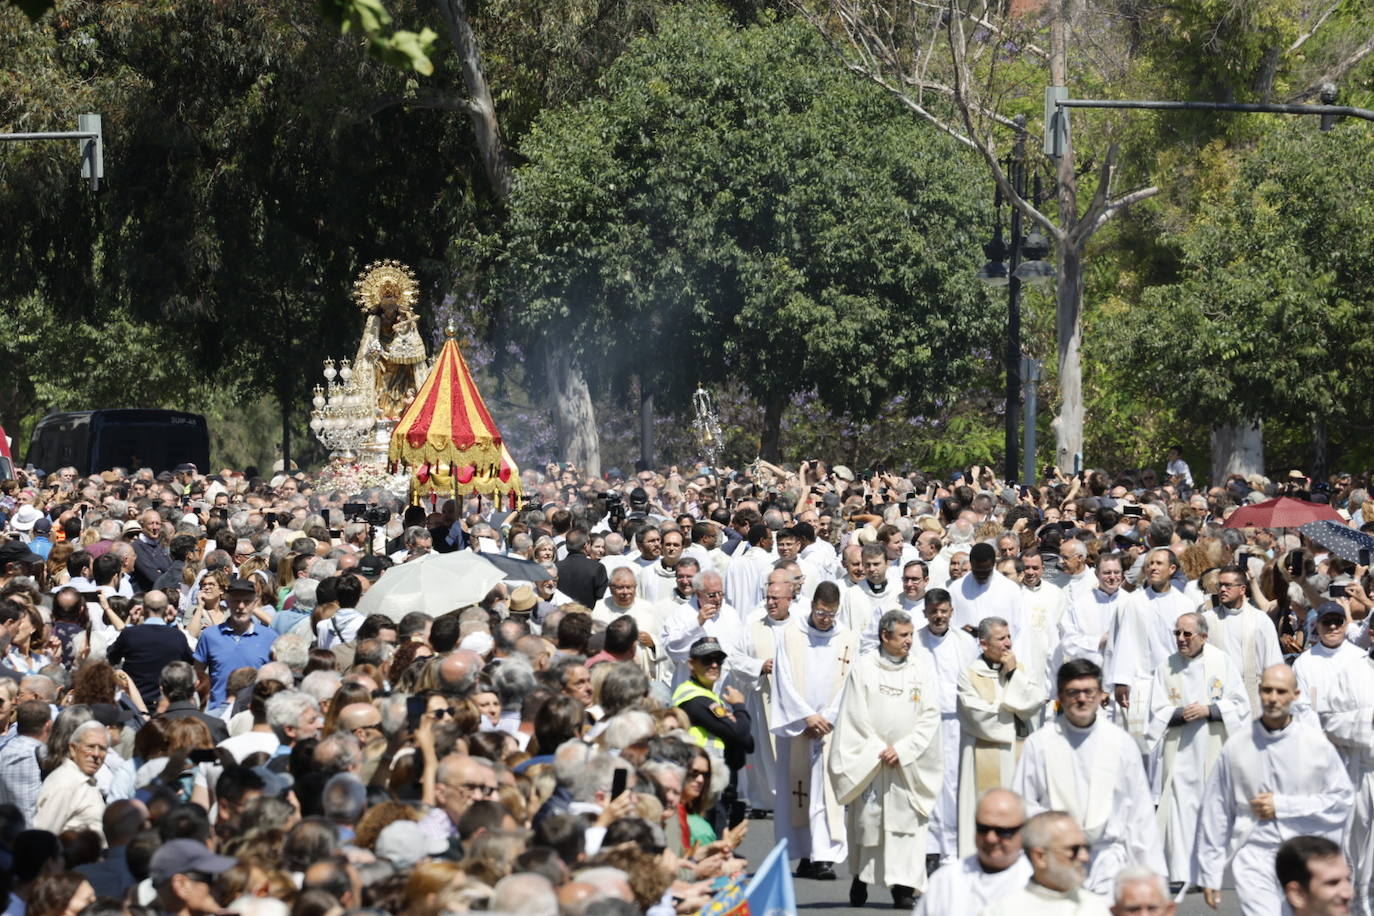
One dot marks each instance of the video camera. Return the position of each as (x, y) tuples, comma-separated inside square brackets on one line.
[(377, 516)]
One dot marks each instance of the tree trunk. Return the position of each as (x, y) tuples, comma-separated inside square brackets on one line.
[(481, 107), (1237, 448), (1321, 467), (285, 433), (1068, 425), (573, 415), (770, 443), (646, 425)]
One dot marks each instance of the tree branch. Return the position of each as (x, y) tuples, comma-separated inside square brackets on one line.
[(1321, 20), (1117, 204), (1335, 73)]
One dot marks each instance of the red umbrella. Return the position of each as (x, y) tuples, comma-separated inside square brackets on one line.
[(1281, 513)]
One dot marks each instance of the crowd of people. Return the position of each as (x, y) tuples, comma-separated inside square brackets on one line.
[(1086, 696)]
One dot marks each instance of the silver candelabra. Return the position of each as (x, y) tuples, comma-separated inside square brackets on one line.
[(343, 416)]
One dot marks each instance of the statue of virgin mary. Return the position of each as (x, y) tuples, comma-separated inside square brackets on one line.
[(391, 362)]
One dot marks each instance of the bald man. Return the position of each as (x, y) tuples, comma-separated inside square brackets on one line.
[(997, 868), (459, 671), (362, 721), (1279, 779)]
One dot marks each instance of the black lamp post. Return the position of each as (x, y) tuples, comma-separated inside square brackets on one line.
[(1006, 267)]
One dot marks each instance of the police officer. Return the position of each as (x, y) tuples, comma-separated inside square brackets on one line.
[(718, 721)]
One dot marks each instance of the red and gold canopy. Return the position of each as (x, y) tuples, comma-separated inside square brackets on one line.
[(448, 438), (447, 424), (503, 486)]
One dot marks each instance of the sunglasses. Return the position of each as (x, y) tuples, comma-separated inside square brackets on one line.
[(1003, 833)]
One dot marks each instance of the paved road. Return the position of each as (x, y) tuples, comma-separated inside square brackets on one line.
[(833, 896)]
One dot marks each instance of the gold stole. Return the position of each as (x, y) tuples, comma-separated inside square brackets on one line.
[(1213, 669), (799, 761), (987, 755)]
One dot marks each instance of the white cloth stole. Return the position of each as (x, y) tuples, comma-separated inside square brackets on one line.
[(1061, 771), (808, 752), (1213, 678)]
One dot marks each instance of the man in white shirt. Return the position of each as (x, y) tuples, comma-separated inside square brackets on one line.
[(862, 606), (704, 615), (948, 652), (1243, 631), (1320, 668), (966, 886), (914, 579), (749, 568), (1279, 779), (984, 592), (1082, 763)]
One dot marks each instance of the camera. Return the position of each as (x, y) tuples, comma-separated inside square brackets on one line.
[(376, 516)]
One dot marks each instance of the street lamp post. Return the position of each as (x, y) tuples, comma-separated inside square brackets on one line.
[(1032, 269)]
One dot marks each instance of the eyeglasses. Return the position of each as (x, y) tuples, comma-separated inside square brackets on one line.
[(1230, 585), (442, 711), (1184, 634), (1083, 693), (825, 615), (477, 788), (913, 578), (713, 594), (1003, 833), (697, 774), (712, 662), (1075, 850)]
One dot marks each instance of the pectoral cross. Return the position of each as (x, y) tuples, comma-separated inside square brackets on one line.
[(801, 795), (844, 661)]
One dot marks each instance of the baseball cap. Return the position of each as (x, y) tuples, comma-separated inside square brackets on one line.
[(42, 526), (185, 855), (403, 843), (108, 714), (17, 552), (706, 647), (1330, 609), (373, 565), (240, 585)]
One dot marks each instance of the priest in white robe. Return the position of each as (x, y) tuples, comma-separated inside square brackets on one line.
[(984, 592), (813, 660), (948, 652), (1074, 575), (862, 606), (789, 544), (913, 581), (997, 695), (965, 887), (1347, 718), (622, 598), (1082, 763), (1197, 701), (1087, 621), (1242, 631), (1056, 848), (1320, 669), (659, 578), (1275, 780), (704, 615), (744, 579), (885, 762), (1042, 612), (1142, 637), (754, 677)]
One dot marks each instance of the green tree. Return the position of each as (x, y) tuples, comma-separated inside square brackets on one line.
[(731, 208), (1267, 316)]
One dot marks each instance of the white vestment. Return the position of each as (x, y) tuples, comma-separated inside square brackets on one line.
[(683, 628), (990, 703), (1086, 620), (1347, 718), (656, 581), (962, 888), (649, 618), (1095, 774), (888, 703), (746, 578), (974, 600), (948, 655), (861, 608), (1318, 671), (808, 679), (1312, 795), (1042, 615), (1074, 587), (760, 645), (822, 555), (1184, 754), (1038, 900), (1249, 637), (1142, 637)]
